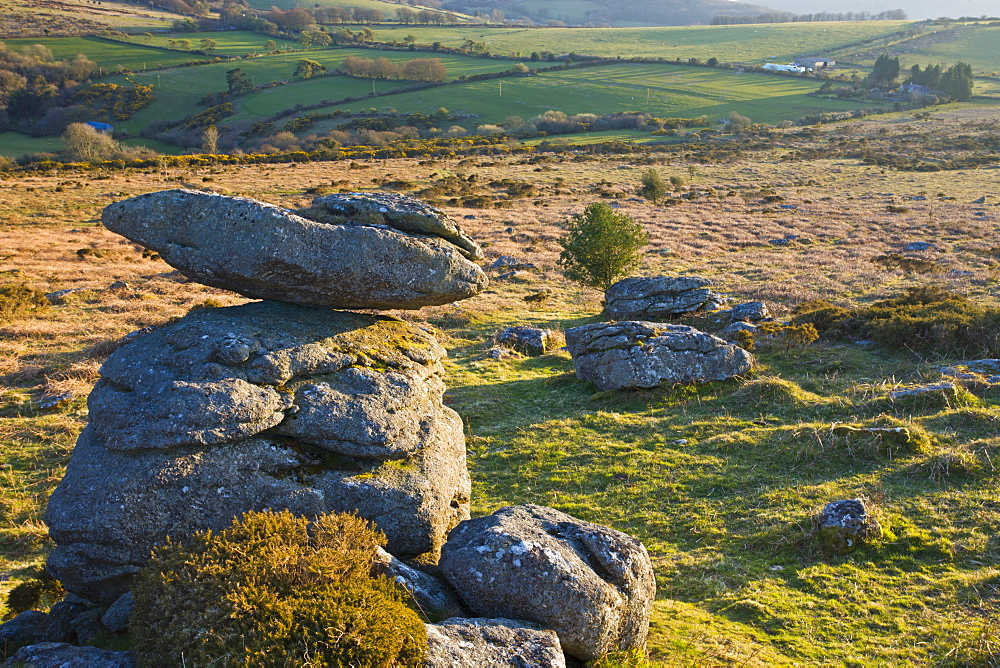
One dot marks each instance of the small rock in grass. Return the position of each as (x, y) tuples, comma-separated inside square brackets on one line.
[(656, 298), (632, 354), (943, 389), (501, 353), (845, 525), (509, 262), (485, 643), (749, 312), (528, 340), (730, 331)]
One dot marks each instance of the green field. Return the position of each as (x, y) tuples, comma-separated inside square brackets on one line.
[(751, 43), (228, 43), (671, 90), (978, 45), (108, 55), (179, 89), (15, 144)]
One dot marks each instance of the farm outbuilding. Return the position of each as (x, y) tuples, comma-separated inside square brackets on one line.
[(774, 67), (815, 62)]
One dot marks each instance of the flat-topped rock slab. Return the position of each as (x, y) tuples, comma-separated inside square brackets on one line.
[(264, 251)]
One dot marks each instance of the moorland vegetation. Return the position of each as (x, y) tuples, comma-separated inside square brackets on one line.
[(871, 238), (719, 481)]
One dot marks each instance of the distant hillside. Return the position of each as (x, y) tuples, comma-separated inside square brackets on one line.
[(611, 12)]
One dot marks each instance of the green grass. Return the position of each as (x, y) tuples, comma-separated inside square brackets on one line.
[(15, 144), (228, 43), (107, 54), (720, 481), (574, 11), (178, 90), (671, 90), (753, 43), (978, 45)]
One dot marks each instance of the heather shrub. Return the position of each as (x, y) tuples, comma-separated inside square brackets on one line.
[(923, 319), (274, 589), (17, 301)]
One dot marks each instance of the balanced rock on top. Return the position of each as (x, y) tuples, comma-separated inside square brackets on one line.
[(345, 258)]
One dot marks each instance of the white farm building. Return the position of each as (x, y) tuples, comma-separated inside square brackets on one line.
[(774, 67)]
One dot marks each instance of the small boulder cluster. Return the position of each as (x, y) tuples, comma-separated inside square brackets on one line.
[(639, 349), (286, 404)]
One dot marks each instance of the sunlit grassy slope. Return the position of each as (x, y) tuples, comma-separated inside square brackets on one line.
[(727, 43)]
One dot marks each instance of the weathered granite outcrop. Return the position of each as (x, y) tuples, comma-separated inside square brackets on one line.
[(265, 405), (634, 354), (592, 585), (263, 251), (656, 298)]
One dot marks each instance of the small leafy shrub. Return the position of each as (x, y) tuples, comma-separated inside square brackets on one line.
[(601, 246), (271, 590), (207, 303), (18, 301), (98, 254), (37, 590), (653, 187)]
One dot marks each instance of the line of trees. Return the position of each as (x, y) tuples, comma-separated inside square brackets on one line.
[(418, 69), (33, 82), (956, 82), (782, 17)]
